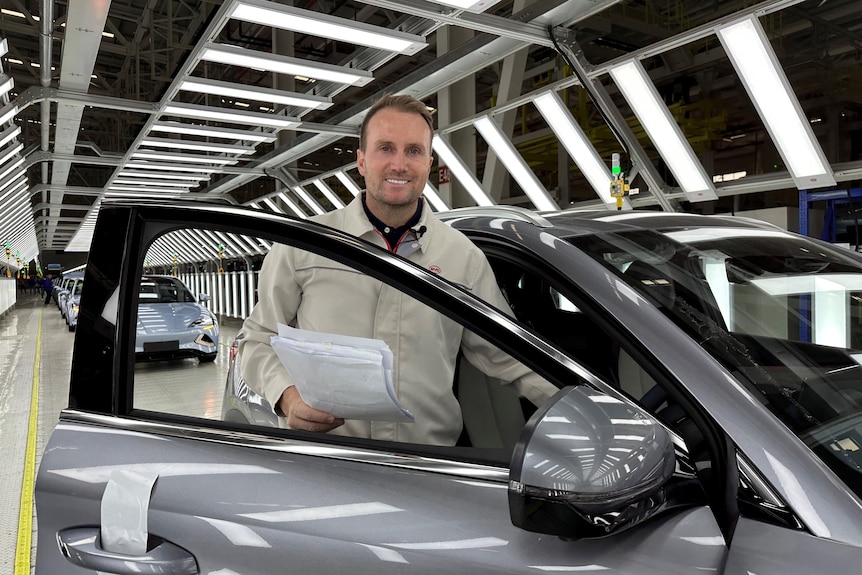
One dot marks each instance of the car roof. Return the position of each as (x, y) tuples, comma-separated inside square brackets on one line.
[(574, 223)]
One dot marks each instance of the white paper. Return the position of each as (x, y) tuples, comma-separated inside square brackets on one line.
[(125, 504), (349, 377)]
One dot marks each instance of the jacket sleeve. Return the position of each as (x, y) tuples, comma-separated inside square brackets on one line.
[(490, 359), (279, 295)]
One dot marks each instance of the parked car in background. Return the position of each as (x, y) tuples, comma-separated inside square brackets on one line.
[(62, 286), (172, 323), (71, 300), (708, 418)]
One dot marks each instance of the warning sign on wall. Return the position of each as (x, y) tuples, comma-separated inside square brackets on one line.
[(443, 174)]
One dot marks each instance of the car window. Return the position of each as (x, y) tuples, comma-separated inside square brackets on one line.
[(189, 361)]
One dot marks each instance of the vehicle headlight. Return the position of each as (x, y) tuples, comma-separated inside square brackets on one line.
[(205, 321), (75, 308)]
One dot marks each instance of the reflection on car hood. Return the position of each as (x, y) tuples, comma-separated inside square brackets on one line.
[(156, 318)]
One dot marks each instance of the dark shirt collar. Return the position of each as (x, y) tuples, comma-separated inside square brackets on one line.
[(392, 235)]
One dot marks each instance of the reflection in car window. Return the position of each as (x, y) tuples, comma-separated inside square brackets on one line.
[(780, 311), (172, 376)]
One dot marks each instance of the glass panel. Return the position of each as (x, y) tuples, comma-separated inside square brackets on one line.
[(780, 311), (195, 358)]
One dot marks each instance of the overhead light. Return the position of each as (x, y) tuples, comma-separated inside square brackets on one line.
[(169, 167), (14, 13), (573, 138), (326, 26), (7, 155), (150, 155), (348, 183), (469, 5), (515, 164), (211, 132), (14, 166), (230, 90), (8, 114), (309, 201), (15, 61), (139, 194), (155, 176), (6, 84), (434, 198), (157, 183), (145, 189), (754, 60), (293, 207), (233, 56), (326, 191), (4, 47), (641, 94), (232, 116), (273, 206), (453, 161), (192, 145), (107, 34)]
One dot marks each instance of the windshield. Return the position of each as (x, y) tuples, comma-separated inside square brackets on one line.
[(781, 312), (163, 290)]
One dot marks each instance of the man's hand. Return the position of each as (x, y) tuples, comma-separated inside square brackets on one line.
[(302, 416)]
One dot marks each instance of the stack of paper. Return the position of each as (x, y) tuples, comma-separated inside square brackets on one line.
[(349, 377)]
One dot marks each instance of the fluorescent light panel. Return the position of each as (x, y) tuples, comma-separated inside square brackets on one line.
[(273, 206), (641, 94), (515, 164), (292, 205), (230, 116), (754, 60), (154, 176), (157, 183), (469, 5), (309, 201), (7, 154), (434, 198), (8, 115), (229, 90), (152, 155), (453, 161), (211, 132), (233, 56), (327, 191), (348, 183), (6, 84), (577, 145), (9, 134), (326, 26), (176, 144), (169, 167)]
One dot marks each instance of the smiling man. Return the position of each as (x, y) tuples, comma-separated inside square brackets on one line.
[(310, 292)]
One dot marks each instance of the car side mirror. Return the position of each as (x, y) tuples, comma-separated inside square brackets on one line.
[(588, 464), (203, 297)]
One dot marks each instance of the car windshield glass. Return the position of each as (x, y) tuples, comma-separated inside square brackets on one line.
[(163, 290), (77, 289), (781, 312)]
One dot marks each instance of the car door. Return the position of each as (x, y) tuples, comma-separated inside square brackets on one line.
[(579, 307), (141, 475)]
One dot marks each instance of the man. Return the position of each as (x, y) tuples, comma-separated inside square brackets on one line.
[(314, 293), (48, 286)]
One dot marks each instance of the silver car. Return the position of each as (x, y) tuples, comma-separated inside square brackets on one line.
[(70, 302), (708, 418), (172, 323)]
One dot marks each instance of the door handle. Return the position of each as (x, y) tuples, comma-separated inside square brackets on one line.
[(82, 546)]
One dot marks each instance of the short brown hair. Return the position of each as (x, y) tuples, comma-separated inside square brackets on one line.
[(401, 103)]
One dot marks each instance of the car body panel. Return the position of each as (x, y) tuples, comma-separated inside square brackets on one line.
[(261, 500), (340, 514)]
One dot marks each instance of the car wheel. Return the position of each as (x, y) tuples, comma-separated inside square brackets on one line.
[(208, 358)]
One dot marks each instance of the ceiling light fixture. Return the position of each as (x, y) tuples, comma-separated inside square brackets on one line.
[(6, 84), (468, 5), (309, 201), (157, 176), (9, 134), (579, 147), (292, 205), (152, 155), (515, 164), (326, 26), (273, 206), (453, 161), (170, 167), (157, 183), (180, 128), (643, 98), (233, 56), (434, 198), (348, 183), (230, 90), (755, 61), (7, 155), (10, 111), (327, 191), (193, 145), (231, 116)]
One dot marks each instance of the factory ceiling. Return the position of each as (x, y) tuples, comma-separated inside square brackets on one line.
[(258, 103)]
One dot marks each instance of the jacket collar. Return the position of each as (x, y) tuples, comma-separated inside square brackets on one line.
[(356, 222)]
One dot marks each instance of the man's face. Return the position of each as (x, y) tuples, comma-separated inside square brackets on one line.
[(396, 161)]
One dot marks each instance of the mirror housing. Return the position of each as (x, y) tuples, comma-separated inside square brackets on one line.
[(588, 465), (202, 297)]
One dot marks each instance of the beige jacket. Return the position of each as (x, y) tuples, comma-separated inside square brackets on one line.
[(315, 293)]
